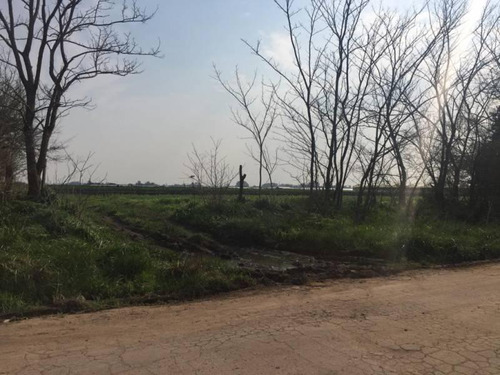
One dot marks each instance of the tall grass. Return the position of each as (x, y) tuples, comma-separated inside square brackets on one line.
[(385, 234), (69, 251)]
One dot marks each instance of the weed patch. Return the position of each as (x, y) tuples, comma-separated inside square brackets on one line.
[(51, 257)]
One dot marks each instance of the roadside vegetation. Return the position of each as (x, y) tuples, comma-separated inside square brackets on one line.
[(85, 253), (56, 258), (288, 223)]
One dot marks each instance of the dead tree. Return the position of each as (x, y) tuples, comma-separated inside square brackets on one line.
[(258, 117)]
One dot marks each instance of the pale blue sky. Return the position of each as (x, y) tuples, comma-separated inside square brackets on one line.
[(144, 125)]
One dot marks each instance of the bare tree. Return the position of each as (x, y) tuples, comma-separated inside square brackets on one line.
[(342, 20), (80, 169), (301, 81), (454, 75), (396, 93), (352, 53), (258, 118), (271, 162), (56, 44), (210, 169)]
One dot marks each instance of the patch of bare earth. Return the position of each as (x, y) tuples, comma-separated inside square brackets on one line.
[(420, 322)]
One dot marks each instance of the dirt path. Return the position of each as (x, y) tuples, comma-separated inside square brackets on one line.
[(429, 322)]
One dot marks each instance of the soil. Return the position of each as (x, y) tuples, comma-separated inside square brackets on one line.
[(444, 321)]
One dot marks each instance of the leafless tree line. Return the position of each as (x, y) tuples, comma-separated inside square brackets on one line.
[(378, 98)]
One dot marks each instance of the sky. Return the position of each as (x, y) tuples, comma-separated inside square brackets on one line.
[(143, 126)]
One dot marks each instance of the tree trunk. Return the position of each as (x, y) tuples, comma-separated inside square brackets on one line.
[(439, 191), (33, 175), (338, 194), (440, 186), (402, 189), (34, 183), (271, 182), (260, 168), (311, 168), (454, 192), (9, 179)]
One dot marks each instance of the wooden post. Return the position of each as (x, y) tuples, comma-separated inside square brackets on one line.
[(242, 180)]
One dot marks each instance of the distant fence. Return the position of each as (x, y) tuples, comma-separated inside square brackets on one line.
[(165, 190), (188, 190)]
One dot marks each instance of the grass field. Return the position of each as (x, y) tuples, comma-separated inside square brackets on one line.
[(286, 223), (90, 252), (57, 257)]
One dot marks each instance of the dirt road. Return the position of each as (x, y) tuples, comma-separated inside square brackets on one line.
[(426, 322)]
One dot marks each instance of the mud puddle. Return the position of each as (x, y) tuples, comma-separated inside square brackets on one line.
[(273, 260)]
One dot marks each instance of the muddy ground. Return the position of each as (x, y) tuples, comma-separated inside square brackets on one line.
[(267, 265), (418, 322)]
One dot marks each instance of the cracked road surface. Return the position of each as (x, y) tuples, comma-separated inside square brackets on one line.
[(422, 322)]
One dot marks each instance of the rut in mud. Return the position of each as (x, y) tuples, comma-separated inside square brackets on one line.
[(269, 265)]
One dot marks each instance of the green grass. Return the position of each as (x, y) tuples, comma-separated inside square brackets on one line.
[(68, 255), (287, 223), (386, 234), (49, 256)]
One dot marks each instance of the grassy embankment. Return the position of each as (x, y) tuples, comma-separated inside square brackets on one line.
[(69, 255), (286, 223), (58, 258)]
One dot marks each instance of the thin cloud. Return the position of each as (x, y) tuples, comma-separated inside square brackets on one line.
[(277, 47)]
